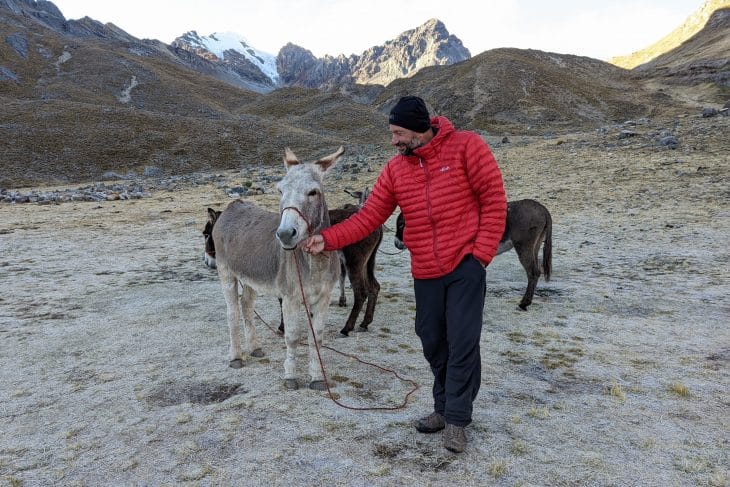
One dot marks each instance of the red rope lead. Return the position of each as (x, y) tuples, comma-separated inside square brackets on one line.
[(321, 364)]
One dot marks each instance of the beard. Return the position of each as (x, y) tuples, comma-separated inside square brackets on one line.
[(407, 148)]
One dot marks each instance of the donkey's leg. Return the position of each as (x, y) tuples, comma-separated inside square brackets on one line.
[(289, 309), (229, 283), (357, 281), (281, 318), (373, 291), (528, 259), (343, 272), (248, 298), (319, 305)]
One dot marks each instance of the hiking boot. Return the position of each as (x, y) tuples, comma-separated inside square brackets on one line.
[(431, 424), (454, 438)]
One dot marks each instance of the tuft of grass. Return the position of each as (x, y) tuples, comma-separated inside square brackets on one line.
[(13, 481), (693, 465), (514, 357), (309, 438), (498, 468), (518, 447), (183, 418), (197, 473), (516, 337), (539, 412), (72, 433), (719, 478), (615, 390), (679, 389), (647, 443), (381, 471)]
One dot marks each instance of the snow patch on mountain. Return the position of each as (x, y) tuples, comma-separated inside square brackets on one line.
[(220, 42)]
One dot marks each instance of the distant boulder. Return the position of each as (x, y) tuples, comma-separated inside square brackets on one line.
[(669, 141)]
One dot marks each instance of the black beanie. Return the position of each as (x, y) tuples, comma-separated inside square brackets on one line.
[(410, 113)]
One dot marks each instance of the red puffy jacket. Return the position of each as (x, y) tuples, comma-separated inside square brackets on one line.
[(451, 194)]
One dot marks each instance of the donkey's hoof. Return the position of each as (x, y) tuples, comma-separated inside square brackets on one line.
[(291, 384), (342, 303), (317, 385), (343, 334), (522, 306), (235, 363), (258, 353)]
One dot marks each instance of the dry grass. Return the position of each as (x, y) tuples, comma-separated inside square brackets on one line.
[(615, 390), (679, 389), (498, 468)]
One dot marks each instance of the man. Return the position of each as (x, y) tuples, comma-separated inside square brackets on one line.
[(450, 190)]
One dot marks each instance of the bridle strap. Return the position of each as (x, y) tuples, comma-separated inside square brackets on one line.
[(299, 212)]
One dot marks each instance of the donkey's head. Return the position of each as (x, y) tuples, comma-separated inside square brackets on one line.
[(209, 254), (303, 208), (400, 227)]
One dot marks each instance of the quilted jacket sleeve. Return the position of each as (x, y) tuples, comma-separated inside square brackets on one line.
[(378, 207), (485, 178)]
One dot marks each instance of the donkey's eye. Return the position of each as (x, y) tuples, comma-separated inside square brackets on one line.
[(314, 192)]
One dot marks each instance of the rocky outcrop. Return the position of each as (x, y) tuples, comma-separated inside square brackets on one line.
[(42, 11), (299, 67), (428, 45)]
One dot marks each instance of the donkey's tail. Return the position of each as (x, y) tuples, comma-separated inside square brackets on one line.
[(547, 249)]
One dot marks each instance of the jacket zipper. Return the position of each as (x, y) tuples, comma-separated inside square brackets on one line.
[(430, 214)]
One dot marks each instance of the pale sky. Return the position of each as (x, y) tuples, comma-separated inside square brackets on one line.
[(598, 29)]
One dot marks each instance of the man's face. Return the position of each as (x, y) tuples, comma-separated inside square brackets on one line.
[(405, 140)]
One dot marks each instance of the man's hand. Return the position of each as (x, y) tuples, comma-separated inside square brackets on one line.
[(313, 245)]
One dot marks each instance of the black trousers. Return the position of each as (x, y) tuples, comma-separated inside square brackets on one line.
[(449, 324)]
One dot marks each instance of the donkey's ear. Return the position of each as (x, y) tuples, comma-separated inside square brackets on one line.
[(354, 194), (290, 159), (213, 215), (326, 162)]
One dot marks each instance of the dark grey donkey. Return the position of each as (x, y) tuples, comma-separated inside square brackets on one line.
[(528, 226), (256, 249)]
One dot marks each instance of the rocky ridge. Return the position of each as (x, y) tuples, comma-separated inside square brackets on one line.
[(427, 45)]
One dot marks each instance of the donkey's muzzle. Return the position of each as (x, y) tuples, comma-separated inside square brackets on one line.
[(287, 237)]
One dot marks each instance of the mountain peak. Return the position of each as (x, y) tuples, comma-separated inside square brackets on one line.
[(231, 49), (432, 24), (429, 44)]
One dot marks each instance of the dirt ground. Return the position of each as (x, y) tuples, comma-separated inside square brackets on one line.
[(114, 342)]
